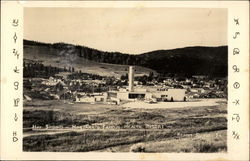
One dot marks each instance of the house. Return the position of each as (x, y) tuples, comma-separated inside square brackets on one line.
[(26, 98), (91, 98), (198, 90), (53, 81)]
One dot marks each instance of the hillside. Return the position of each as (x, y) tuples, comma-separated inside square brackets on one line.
[(68, 58), (210, 61)]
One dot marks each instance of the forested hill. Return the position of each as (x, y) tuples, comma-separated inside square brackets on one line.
[(211, 61)]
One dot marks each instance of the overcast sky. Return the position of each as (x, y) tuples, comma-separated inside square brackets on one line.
[(127, 30)]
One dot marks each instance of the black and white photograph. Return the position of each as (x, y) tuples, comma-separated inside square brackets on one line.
[(130, 80)]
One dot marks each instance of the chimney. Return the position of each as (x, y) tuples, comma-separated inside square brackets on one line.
[(131, 79)]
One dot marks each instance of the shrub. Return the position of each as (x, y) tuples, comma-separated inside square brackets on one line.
[(138, 148), (205, 147)]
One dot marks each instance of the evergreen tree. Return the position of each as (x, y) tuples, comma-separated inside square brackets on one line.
[(151, 76)]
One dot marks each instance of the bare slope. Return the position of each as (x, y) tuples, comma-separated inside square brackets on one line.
[(67, 57)]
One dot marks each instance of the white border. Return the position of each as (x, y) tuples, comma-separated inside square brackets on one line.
[(237, 149)]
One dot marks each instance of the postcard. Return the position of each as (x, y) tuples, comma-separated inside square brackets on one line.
[(125, 80)]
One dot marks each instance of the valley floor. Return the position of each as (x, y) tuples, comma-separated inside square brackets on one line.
[(188, 129)]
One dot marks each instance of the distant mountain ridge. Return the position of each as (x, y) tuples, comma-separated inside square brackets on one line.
[(211, 61), (197, 60)]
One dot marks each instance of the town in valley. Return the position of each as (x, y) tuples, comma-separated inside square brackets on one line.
[(120, 107)]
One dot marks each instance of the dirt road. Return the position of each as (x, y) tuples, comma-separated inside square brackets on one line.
[(191, 103)]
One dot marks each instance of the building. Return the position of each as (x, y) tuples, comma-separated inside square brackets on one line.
[(91, 98), (147, 92), (53, 81)]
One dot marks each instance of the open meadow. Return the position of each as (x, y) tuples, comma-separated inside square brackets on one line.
[(170, 129)]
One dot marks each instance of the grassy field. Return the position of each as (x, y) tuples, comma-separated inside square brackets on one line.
[(190, 129), (208, 142)]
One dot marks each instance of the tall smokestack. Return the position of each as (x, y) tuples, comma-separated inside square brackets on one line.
[(131, 79)]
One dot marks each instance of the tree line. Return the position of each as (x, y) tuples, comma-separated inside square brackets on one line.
[(39, 70)]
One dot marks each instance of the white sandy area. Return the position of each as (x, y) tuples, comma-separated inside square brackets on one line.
[(191, 103)]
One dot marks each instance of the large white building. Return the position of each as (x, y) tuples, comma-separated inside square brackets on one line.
[(147, 92)]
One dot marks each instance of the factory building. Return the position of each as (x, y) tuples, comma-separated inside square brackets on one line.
[(146, 92)]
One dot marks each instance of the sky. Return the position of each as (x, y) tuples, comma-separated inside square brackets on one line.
[(127, 30)]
